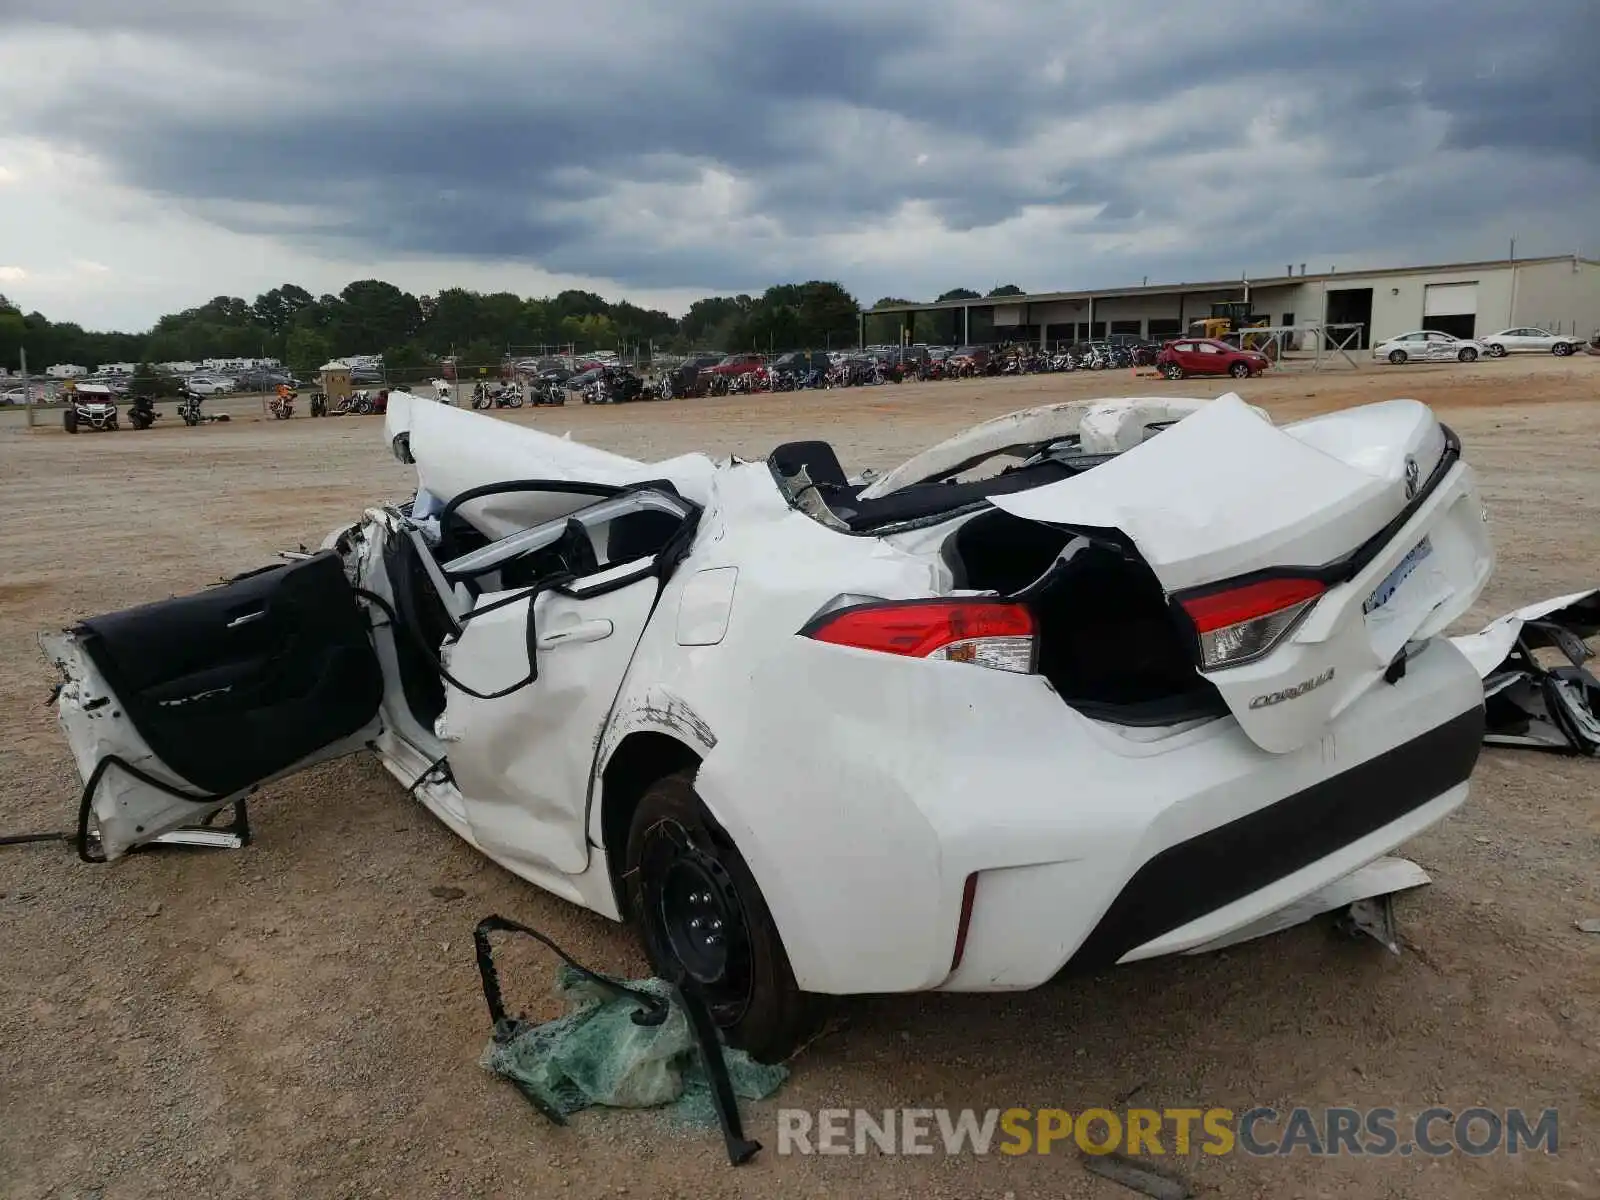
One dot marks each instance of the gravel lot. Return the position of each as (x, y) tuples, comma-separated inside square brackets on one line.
[(302, 1018)]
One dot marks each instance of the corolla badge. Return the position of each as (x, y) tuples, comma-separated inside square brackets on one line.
[(1268, 699), (1413, 477)]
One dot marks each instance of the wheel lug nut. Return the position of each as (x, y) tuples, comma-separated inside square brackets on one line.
[(716, 923), (695, 923)]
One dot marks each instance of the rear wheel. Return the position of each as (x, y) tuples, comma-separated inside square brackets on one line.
[(1239, 370), (1468, 354), (1496, 350), (1397, 357), (701, 915), (1172, 371)]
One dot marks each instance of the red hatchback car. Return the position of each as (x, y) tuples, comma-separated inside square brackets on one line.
[(1207, 356)]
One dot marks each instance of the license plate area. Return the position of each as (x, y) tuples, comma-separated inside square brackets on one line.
[(1385, 591)]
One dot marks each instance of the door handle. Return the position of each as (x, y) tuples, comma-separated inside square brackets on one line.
[(247, 618), (583, 631)]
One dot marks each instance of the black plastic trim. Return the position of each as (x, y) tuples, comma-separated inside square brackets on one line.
[(1205, 873)]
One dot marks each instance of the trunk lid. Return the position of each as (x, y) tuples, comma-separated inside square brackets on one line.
[(1369, 509)]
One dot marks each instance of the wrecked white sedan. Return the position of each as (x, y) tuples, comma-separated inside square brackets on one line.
[(1083, 685)]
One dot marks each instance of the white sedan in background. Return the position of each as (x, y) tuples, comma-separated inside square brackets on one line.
[(209, 385), (1530, 339), (1428, 345)]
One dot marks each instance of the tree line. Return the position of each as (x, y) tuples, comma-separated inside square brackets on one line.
[(370, 316)]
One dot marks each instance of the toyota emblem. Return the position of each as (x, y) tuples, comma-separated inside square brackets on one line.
[(1413, 477)]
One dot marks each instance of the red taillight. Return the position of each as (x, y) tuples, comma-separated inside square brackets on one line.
[(1240, 624), (1246, 603), (987, 633), (969, 893)]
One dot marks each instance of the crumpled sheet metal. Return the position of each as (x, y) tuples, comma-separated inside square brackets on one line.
[(1533, 701)]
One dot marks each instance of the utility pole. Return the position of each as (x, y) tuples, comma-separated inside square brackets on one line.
[(27, 386)]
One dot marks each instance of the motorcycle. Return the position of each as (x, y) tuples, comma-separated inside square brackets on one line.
[(549, 393), (282, 407), (500, 396), (319, 404), (362, 404), (142, 412), (615, 387), (189, 410)]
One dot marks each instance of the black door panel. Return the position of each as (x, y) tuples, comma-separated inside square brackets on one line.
[(234, 684)]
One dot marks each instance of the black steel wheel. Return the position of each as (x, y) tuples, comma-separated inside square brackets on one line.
[(701, 916)]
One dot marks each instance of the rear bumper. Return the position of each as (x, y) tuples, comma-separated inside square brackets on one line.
[(1091, 843), (1390, 780), (1199, 889)]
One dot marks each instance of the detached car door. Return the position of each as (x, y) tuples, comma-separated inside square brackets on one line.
[(176, 708)]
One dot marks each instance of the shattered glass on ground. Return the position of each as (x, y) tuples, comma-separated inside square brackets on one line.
[(594, 1054)]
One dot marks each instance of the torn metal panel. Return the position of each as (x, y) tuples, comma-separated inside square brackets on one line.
[(1283, 501), (1109, 425), (456, 449), (1529, 702)]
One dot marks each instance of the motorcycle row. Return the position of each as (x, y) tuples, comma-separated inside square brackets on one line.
[(84, 412)]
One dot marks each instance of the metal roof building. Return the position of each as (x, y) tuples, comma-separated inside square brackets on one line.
[(1465, 299)]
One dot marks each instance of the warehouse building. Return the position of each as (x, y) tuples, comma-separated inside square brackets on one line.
[(1471, 299)]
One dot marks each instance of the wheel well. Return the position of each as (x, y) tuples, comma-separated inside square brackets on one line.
[(641, 760)]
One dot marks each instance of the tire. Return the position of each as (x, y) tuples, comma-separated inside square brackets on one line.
[(1496, 350), (677, 854), (1172, 371), (1397, 357), (111, 423), (69, 421), (1561, 349), (1239, 370), (1467, 355)]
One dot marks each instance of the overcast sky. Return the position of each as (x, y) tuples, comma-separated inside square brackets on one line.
[(153, 155)]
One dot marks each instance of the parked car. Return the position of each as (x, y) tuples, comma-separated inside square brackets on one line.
[(1428, 345), (976, 356), (738, 364), (208, 385), (263, 380), (800, 362), (811, 755), (1206, 356), (1530, 340)]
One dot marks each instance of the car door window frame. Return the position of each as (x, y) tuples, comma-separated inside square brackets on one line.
[(657, 496)]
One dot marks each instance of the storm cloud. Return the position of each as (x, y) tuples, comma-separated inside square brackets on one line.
[(899, 147)]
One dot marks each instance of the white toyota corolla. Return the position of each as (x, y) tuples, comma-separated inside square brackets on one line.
[(1082, 685)]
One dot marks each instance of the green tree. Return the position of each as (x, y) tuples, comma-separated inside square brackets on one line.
[(1007, 289), (373, 316), (410, 363), (157, 385), (306, 350), (960, 294)]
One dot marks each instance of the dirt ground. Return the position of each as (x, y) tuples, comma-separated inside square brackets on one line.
[(302, 1018)]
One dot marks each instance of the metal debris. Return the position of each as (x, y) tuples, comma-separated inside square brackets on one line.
[(1138, 1176)]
